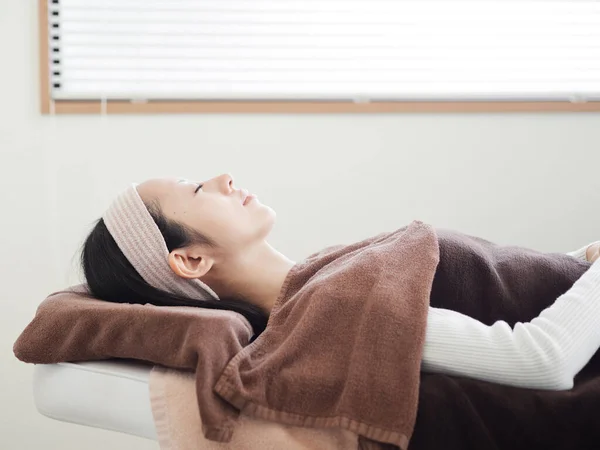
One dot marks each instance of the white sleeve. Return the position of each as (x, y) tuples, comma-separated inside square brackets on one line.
[(545, 353)]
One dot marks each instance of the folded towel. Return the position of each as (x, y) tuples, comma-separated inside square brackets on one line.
[(71, 325), (344, 340)]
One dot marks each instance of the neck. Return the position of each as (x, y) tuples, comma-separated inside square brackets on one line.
[(256, 276)]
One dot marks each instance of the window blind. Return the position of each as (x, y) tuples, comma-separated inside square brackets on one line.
[(355, 50)]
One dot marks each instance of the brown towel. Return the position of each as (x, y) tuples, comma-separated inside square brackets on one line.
[(493, 282), (70, 326), (344, 341)]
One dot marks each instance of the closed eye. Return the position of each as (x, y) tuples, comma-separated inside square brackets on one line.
[(198, 188)]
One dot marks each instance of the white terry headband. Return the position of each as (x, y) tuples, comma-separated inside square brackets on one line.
[(139, 238)]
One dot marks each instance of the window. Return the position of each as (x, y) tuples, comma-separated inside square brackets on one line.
[(319, 55)]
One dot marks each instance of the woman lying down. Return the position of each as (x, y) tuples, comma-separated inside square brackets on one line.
[(215, 236)]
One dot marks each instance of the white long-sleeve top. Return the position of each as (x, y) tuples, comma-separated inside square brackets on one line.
[(545, 353)]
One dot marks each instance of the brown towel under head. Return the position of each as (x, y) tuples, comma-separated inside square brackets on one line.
[(71, 325), (344, 341)]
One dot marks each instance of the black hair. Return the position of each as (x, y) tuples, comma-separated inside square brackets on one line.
[(111, 277)]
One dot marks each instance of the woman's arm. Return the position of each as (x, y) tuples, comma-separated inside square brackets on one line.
[(545, 353)]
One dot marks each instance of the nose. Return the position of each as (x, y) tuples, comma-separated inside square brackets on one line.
[(222, 183), (225, 182)]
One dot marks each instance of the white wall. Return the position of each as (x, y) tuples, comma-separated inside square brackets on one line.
[(523, 179)]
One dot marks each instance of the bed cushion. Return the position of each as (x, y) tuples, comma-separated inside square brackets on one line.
[(110, 394)]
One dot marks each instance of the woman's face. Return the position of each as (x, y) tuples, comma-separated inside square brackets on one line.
[(214, 210)]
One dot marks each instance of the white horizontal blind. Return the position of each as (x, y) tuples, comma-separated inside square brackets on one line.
[(325, 49)]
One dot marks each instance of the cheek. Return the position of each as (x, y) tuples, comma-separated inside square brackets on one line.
[(249, 225), (231, 224)]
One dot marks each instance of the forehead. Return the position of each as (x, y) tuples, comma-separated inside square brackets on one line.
[(157, 188), (184, 181)]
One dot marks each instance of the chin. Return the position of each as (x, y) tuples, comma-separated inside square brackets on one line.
[(269, 220)]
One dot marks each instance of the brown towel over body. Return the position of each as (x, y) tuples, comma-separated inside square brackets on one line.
[(493, 282), (344, 341), (340, 346)]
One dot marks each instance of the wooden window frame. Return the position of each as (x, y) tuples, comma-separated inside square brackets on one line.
[(50, 106)]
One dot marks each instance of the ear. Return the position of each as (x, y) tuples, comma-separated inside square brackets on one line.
[(189, 262)]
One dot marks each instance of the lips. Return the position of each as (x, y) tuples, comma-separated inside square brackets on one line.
[(248, 199), (245, 196)]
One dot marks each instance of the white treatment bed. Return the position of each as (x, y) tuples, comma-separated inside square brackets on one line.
[(111, 394)]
